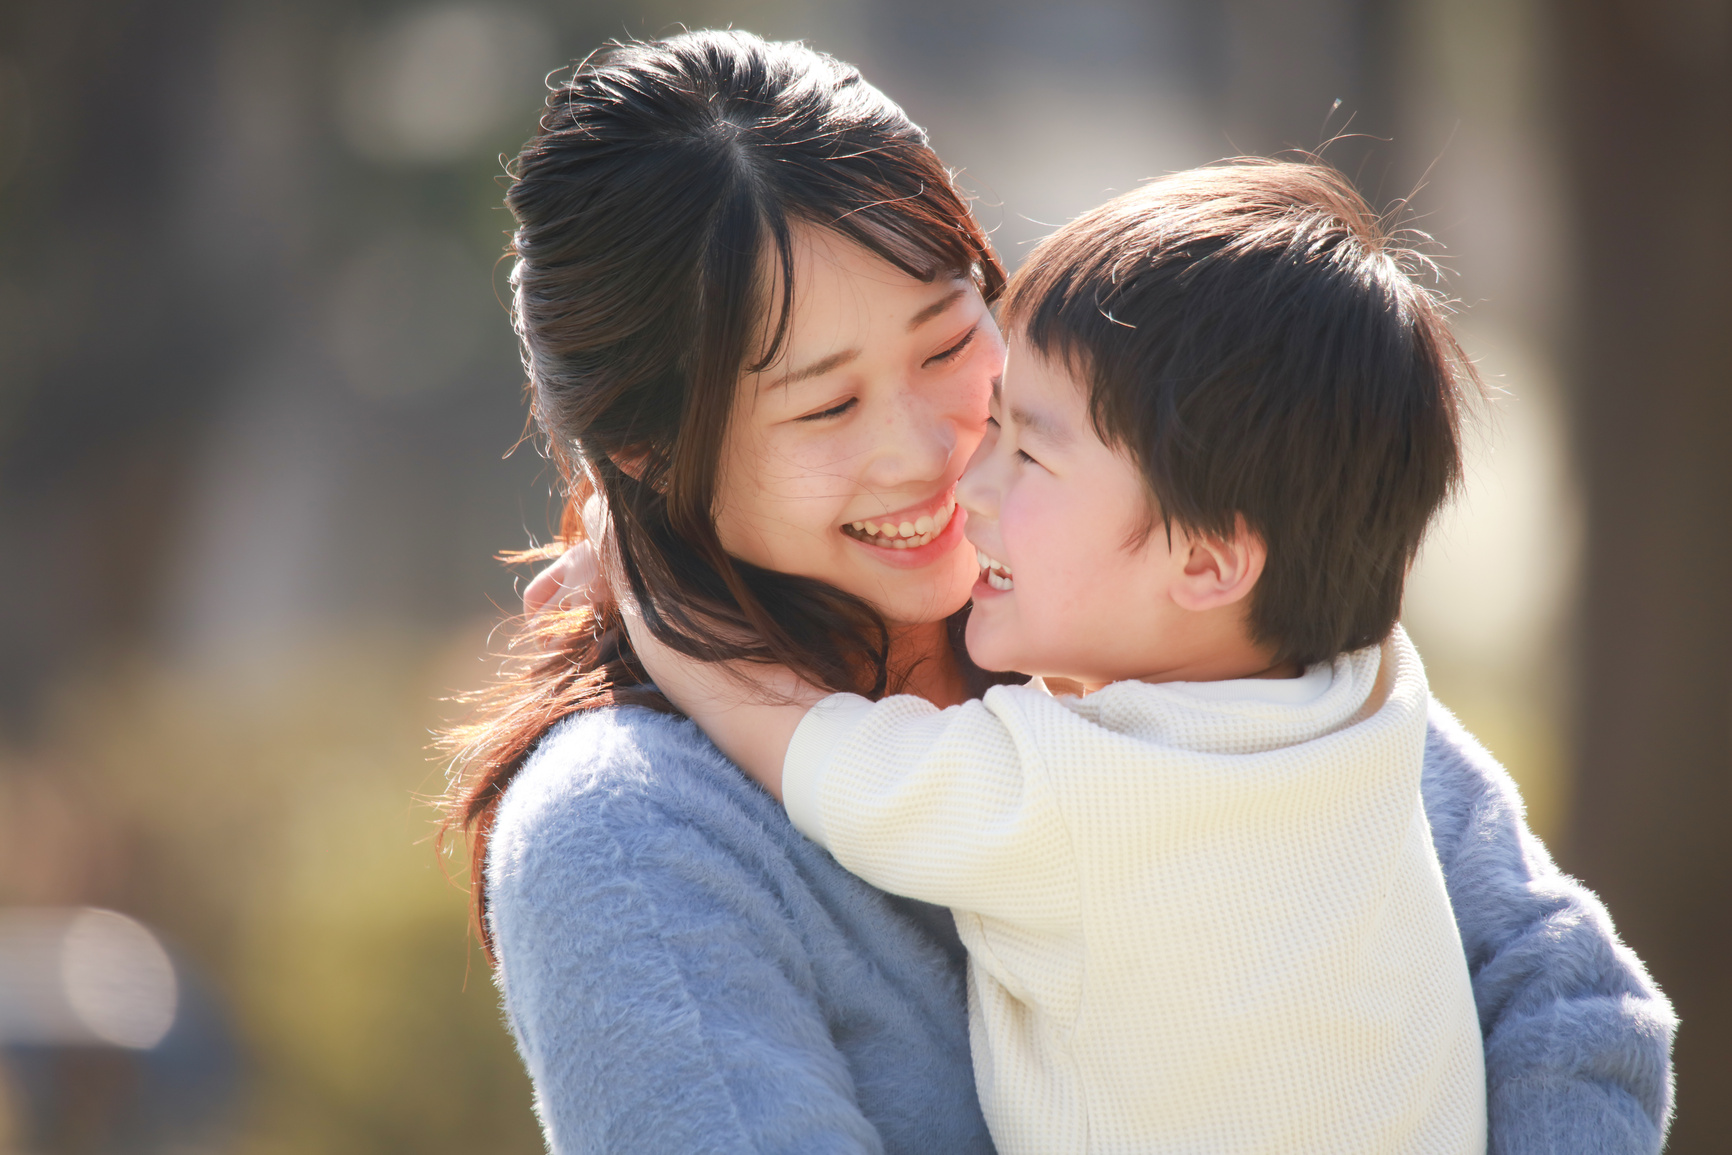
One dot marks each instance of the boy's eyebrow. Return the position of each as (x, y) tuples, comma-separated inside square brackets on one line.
[(1035, 422), (935, 308), (1040, 425)]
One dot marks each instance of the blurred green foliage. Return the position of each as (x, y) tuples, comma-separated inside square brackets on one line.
[(274, 827)]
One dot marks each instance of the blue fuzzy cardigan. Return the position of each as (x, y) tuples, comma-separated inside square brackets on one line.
[(684, 972)]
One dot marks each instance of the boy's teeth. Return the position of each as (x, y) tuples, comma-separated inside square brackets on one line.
[(996, 573)]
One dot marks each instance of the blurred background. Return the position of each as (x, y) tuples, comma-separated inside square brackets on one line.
[(258, 397)]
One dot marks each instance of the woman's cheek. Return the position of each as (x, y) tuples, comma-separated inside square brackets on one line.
[(800, 502)]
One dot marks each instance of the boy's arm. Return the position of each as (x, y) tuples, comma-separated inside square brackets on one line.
[(948, 806), (1577, 1037), (749, 711), (934, 805)]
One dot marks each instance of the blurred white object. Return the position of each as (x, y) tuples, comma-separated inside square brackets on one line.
[(433, 83), (1493, 584), (82, 976)]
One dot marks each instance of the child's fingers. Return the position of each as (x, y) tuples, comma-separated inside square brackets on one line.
[(541, 589), (567, 584), (597, 530)]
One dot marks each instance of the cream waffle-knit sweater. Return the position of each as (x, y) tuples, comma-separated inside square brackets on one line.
[(1200, 917)]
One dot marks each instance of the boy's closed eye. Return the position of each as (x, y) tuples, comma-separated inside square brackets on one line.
[(1021, 454)]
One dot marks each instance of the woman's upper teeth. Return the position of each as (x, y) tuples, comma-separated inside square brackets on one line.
[(915, 532), (991, 562)]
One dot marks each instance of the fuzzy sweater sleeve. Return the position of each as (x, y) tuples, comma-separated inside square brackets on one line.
[(649, 978), (1577, 1036)]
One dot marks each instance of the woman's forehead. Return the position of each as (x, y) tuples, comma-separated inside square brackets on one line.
[(845, 293)]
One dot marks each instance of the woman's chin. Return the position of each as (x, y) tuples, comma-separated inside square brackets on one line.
[(906, 595), (920, 597), (924, 609)]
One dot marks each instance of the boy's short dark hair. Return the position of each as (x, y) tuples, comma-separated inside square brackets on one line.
[(1253, 337)]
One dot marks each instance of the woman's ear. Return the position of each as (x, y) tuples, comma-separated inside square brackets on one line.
[(635, 463), (1219, 572), (632, 462)]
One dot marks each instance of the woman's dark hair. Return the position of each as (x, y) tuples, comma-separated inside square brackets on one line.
[(1255, 338), (654, 265)]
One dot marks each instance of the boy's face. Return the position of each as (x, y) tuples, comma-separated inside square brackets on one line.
[(1065, 590)]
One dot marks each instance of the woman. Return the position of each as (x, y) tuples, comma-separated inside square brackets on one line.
[(754, 312)]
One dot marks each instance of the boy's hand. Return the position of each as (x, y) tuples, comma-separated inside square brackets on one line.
[(749, 711), (567, 584), (574, 581)]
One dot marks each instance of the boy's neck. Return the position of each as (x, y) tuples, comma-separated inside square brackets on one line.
[(1216, 668), (922, 662), (1210, 645)]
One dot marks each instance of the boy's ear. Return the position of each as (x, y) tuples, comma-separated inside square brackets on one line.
[(1219, 572)]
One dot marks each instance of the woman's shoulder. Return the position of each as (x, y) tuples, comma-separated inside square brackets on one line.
[(1470, 798), (596, 755), (676, 960), (600, 774)]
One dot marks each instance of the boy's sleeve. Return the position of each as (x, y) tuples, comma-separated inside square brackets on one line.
[(947, 806), (1577, 1036)]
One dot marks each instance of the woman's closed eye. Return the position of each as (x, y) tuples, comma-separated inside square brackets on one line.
[(955, 350), (833, 411)]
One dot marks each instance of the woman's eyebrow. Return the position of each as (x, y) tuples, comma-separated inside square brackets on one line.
[(837, 360), (819, 368), (935, 308)]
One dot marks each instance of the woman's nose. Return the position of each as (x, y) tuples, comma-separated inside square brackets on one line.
[(915, 444), (977, 491)]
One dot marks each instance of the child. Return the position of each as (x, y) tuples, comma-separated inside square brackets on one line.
[(1201, 903)]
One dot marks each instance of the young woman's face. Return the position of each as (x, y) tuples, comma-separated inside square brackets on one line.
[(842, 456)]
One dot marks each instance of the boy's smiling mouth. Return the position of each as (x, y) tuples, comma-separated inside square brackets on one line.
[(903, 532), (994, 572)]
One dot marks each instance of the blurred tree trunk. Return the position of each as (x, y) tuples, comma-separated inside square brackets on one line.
[(1646, 100), (1316, 74)]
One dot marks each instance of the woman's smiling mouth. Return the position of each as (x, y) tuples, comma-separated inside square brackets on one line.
[(903, 531)]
